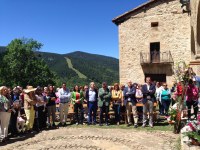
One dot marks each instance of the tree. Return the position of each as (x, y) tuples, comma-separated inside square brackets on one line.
[(20, 65)]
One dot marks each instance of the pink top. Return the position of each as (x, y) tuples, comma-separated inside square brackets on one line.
[(57, 99), (192, 93)]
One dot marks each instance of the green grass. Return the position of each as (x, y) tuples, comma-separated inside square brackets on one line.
[(70, 65), (158, 127)]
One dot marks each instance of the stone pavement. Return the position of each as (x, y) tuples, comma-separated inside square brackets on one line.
[(97, 139)]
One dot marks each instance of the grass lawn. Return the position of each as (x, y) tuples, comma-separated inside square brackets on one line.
[(160, 126)]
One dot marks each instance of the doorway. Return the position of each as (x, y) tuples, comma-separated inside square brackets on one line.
[(155, 52), (157, 77)]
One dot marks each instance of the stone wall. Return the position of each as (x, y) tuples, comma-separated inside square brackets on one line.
[(136, 34)]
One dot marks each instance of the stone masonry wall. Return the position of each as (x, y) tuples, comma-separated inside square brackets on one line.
[(136, 34)]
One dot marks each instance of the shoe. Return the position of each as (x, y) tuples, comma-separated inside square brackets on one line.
[(64, 125), (100, 124), (53, 125), (88, 124), (128, 125), (151, 125), (107, 124), (77, 123), (144, 125), (135, 125), (118, 123), (60, 124), (94, 123)]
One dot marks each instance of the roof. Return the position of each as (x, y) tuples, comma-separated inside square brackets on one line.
[(126, 15)]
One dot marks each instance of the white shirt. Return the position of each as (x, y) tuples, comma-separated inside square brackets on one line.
[(92, 95)]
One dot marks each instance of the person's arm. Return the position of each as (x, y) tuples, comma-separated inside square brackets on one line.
[(27, 98), (108, 95), (144, 90), (137, 94), (101, 93)]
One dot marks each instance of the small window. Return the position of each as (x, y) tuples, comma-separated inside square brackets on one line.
[(154, 24)]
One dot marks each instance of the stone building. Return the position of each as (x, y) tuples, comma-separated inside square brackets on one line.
[(154, 36)]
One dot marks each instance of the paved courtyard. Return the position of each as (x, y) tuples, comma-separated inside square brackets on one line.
[(96, 139)]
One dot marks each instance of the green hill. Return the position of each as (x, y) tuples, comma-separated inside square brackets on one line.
[(80, 67)]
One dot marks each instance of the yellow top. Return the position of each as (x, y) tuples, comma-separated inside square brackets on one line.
[(116, 95)]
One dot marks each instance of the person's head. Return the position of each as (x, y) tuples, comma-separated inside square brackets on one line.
[(76, 88), (16, 91), (57, 89), (158, 84), (39, 90), (104, 85), (148, 80), (81, 88), (122, 86), (64, 86), (139, 86), (164, 86), (92, 85), (51, 88), (129, 83), (3, 90), (116, 86), (85, 87), (135, 85), (46, 91), (190, 82)]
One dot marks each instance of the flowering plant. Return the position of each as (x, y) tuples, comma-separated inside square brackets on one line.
[(192, 130)]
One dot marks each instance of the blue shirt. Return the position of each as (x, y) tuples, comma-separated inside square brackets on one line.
[(64, 95)]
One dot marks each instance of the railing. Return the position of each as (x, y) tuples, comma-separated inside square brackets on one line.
[(156, 57)]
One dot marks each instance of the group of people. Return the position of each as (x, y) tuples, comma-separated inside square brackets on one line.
[(39, 104)]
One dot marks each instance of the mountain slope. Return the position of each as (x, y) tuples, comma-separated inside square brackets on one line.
[(96, 67), (80, 67)]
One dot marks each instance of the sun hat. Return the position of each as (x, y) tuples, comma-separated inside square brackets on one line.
[(29, 89)]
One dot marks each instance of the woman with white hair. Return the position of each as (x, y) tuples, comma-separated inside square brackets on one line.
[(5, 113)]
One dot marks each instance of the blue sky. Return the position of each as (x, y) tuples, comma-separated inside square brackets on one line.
[(64, 26)]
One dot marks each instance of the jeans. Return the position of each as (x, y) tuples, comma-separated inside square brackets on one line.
[(92, 112), (166, 104), (161, 108), (63, 112), (130, 107), (148, 107), (117, 110), (4, 123), (78, 107), (103, 109), (51, 112), (195, 106)]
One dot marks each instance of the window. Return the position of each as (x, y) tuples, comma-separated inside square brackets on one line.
[(154, 24)]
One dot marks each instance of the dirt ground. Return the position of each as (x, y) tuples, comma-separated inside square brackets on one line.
[(96, 139)]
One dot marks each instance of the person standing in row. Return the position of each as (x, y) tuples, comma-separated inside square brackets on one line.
[(92, 98), (64, 95), (29, 102), (130, 103), (165, 96), (41, 111), (117, 100), (148, 91), (192, 98), (77, 100), (51, 106), (5, 113), (104, 102)]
